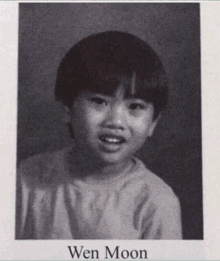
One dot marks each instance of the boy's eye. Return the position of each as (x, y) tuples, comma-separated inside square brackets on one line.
[(99, 101), (136, 106)]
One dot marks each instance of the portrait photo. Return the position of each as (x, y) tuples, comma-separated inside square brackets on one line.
[(109, 122)]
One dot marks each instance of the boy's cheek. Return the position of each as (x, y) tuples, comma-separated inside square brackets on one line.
[(142, 134), (142, 125), (94, 118)]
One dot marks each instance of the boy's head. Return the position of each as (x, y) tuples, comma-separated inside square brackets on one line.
[(114, 87), (103, 61)]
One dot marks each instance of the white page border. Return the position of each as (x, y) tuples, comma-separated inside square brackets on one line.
[(160, 250)]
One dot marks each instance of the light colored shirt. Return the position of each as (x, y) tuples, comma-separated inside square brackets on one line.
[(51, 204)]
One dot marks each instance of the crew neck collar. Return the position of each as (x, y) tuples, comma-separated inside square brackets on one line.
[(103, 183)]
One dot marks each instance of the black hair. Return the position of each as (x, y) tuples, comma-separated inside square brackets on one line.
[(103, 61)]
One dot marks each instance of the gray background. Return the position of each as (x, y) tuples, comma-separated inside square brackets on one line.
[(48, 30)]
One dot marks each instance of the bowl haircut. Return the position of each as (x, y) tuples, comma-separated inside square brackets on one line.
[(102, 62)]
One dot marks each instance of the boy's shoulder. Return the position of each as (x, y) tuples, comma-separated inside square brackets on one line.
[(151, 185), (45, 168)]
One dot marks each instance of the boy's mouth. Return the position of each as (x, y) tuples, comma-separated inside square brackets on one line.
[(112, 139)]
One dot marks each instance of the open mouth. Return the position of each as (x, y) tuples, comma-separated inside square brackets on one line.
[(112, 139)]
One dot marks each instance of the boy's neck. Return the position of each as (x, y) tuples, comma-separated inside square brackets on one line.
[(90, 170)]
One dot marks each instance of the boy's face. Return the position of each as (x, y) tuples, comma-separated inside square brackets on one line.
[(110, 129)]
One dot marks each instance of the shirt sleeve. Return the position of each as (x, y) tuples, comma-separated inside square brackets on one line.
[(19, 203), (23, 222), (165, 221)]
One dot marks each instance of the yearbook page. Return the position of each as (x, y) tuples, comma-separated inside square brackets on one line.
[(180, 154)]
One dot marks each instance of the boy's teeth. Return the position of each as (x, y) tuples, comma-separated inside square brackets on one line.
[(111, 140)]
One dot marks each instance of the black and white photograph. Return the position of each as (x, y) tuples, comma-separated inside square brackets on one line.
[(112, 130), (109, 121)]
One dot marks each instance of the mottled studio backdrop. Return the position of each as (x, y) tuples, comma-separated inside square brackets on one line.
[(48, 30)]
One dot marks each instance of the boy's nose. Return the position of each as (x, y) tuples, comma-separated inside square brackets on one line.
[(115, 118)]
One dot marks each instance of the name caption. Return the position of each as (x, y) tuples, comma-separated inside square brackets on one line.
[(77, 252)]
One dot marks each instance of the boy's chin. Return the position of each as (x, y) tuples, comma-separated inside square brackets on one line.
[(112, 159)]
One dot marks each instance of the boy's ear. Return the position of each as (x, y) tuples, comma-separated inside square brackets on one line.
[(153, 126), (66, 114)]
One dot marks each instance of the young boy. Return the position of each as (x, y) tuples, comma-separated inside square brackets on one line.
[(114, 87)]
